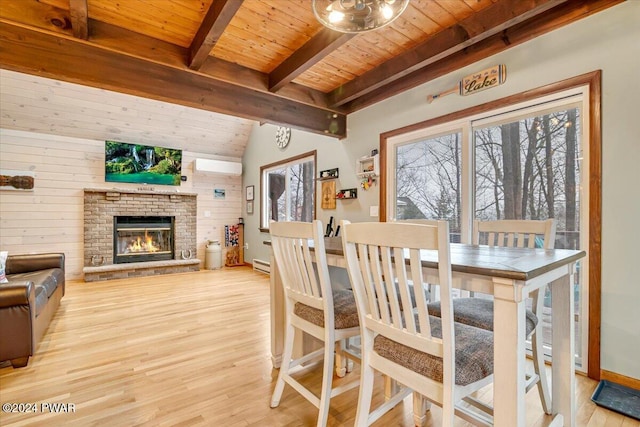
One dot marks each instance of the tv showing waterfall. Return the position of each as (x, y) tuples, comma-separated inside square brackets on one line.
[(142, 164)]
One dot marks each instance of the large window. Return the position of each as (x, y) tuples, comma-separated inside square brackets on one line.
[(288, 190), (513, 159), (428, 180)]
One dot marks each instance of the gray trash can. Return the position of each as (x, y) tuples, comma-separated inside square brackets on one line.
[(213, 255)]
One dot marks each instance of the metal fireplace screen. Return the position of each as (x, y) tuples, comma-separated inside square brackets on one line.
[(142, 238)]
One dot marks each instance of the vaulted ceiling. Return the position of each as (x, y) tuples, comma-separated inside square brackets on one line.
[(266, 60)]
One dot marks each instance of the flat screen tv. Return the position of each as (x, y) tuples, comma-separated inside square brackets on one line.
[(142, 164)]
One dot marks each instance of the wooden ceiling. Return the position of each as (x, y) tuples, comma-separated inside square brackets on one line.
[(266, 60)]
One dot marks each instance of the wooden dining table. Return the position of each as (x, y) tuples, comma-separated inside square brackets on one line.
[(510, 275)]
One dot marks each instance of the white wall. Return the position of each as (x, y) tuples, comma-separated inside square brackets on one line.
[(57, 130), (606, 41)]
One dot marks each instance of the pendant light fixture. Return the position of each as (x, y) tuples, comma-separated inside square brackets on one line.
[(356, 16)]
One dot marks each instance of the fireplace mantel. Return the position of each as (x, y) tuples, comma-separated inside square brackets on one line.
[(146, 190)]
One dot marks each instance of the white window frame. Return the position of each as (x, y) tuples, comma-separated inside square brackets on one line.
[(264, 193)]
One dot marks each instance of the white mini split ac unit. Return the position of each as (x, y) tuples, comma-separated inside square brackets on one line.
[(218, 166)]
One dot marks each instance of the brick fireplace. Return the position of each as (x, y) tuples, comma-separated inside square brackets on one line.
[(103, 208)]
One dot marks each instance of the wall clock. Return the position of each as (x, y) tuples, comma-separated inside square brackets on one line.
[(283, 136)]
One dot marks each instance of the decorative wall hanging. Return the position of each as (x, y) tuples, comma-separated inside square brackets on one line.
[(476, 82), (233, 240), (17, 180), (328, 195), (367, 183)]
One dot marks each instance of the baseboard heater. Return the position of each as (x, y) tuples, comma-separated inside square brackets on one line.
[(261, 266)]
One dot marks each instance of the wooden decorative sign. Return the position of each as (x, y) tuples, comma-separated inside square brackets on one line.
[(328, 195), (16, 180), (476, 82)]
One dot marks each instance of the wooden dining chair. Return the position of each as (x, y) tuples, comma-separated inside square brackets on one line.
[(438, 360), (478, 312), (312, 307)]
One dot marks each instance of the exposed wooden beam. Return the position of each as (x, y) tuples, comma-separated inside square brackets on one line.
[(477, 27), (79, 18), (312, 52), (133, 44), (215, 21), (150, 49), (35, 52), (237, 74), (555, 18)]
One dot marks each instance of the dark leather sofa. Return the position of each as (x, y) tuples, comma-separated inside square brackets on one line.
[(28, 303)]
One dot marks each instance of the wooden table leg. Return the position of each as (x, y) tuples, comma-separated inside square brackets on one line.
[(509, 356), (563, 344)]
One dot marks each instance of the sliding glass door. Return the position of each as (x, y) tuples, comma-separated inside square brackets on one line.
[(523, 162), (528, 166)]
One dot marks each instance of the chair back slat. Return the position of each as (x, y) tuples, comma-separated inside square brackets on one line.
[(382, 277), (378, 285), (369, 284), (424, 325), (531, 240), (389, 276), (405, 278), (311, 281)]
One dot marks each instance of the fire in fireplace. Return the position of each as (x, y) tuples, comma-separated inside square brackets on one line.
[(142, 238)]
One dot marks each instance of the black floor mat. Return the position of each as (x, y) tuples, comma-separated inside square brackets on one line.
[(618, 398)]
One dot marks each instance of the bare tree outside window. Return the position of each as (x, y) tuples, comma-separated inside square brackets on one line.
[(527, 170), (428, 175), (301, 184)]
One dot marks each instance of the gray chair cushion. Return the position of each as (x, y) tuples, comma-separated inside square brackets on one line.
[(474, 353), (478, 312), (344, 310)]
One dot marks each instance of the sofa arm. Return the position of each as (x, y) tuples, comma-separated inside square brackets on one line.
[(17, 293), (17, 320), (33, 262)]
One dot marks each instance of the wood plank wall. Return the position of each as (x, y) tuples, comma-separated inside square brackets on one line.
[(57, 130)]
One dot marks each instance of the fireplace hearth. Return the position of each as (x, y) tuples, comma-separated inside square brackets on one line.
[(142, 238)]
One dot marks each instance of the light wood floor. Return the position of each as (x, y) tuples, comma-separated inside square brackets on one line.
[(187, 350)]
